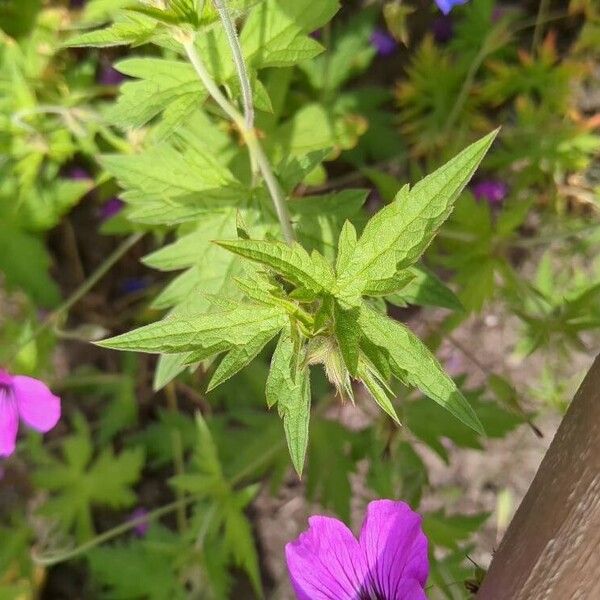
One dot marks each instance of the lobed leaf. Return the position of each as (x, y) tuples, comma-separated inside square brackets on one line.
[(214, 332), (399, 233), (288, 386), (292, 262), (411, 361)]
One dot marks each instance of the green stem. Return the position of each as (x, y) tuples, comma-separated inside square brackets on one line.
[(50, 559), (539, 24), (82, 290), (238, 59), (466, 87), (255, 149), (277, 195)]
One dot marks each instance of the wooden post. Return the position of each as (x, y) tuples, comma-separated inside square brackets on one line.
[(551, 550)]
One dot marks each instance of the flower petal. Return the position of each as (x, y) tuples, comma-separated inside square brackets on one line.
[(325, 562), (9, 423), (447, 5), (38, 406), (395, 549)]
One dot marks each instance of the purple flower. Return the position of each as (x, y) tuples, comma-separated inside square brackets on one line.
[(29, 399), (388, 561), (447, 5), (383, 42), (492, 191), (141, 529), (110, 76), (78, 174), (443, 29), (131, 285), (110, 208)]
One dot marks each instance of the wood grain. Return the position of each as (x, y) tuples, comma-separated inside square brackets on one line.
[(551, 550)]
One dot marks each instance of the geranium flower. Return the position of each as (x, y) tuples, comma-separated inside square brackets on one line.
[(447, 5), (383, 42), (141, 529), (111, 208), (28, 399), (493, 191), (387, 562)]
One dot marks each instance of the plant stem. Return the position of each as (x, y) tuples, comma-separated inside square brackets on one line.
[(257, 154), (82, 290), (58, 557), (238, 59), (539, 22), (178, 458), (277, 195), (211, 87)]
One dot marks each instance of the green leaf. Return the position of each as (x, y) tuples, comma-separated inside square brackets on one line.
[(24, 262), (238, 358), (346, 246), (347, 334), (447, 530), (159, 83), (391, 285), (399, 233), (425, 289), (132, 30), (81, 482), (413, 362), (288, 386), (213, 332), (292, 262), (139, 568), (430, 423), (377, 388)]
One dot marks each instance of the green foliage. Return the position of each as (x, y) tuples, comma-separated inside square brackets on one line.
[(223, 521), (143, 568), (82, 481), (391, 241), (233, 310)]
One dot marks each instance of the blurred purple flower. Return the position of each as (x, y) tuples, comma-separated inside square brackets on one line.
[(492, 191), (317, 34), (447, 5), (78, 174), (141, 529), (388, 561), (383, 42), (76, 3), (131, 285), (27, 399), (110, 208), (498, 13), (109, 76), (443, 29)]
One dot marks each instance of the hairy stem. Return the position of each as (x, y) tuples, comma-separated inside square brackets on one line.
[(238, 59), (257, 154)]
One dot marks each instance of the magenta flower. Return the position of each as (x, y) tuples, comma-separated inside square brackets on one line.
[(110, 76), (447, 5), (388, 561), (141, 529), (29, 399), (492, 191), (111, 208), (383, 42)]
